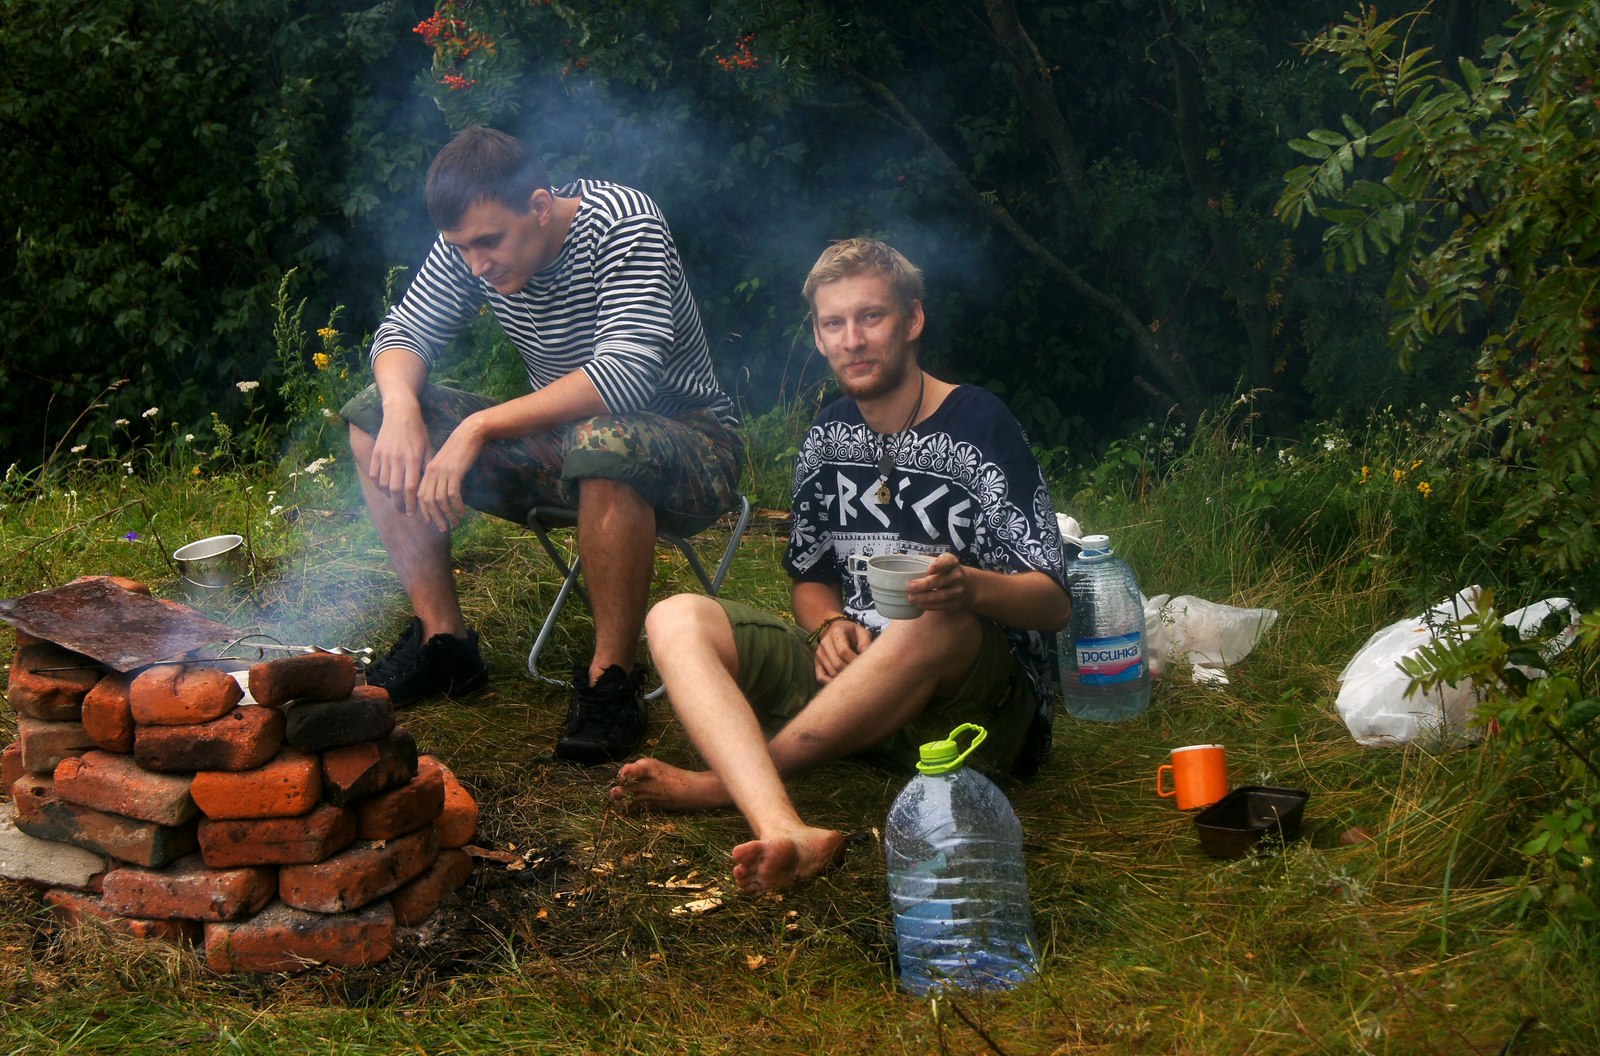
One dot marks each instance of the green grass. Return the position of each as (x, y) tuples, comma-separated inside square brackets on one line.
[(1405, 944)]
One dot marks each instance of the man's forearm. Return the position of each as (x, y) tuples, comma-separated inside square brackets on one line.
[(567, 399), (815, 602), (1025, 600)]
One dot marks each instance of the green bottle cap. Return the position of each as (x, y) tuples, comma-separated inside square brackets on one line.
[(941, 757)]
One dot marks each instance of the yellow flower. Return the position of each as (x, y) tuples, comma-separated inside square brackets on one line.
[(1366, 474), (327, 333), (195, 471), (322, 360), (1425, 488), (1397, 474)]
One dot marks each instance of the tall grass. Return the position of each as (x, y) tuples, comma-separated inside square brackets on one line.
[(1406, 942)]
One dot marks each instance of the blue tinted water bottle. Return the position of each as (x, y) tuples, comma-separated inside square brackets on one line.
[(1104, 676), (957, 884)]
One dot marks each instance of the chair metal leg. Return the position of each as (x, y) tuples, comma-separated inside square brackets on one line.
[(545, 517)]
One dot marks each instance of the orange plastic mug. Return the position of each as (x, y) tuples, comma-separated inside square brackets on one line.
[(1199, 776)]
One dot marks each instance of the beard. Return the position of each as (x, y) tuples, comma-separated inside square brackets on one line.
[(890, 376)]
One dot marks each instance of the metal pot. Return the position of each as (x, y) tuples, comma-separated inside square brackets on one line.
[(212, 563)]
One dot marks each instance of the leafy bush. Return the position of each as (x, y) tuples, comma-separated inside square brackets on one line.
[(166, 165)]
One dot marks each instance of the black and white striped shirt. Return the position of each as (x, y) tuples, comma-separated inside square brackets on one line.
[(614, 304)]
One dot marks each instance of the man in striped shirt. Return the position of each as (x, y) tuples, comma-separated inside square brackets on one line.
[(625, 421)]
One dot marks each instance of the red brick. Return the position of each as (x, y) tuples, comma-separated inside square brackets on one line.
[(287, 785), (11, 767), (108, 713), (364, 872), (416, 901), (189, 890), (243, 739), (40, 813), (312, 837), (359, 770), (396, 812), (120, 581), (283, 939), (314, 676), (182, 695), (116, 783), (458, 824), (76, 909), (38, 692), (317, 725), (45, 744)]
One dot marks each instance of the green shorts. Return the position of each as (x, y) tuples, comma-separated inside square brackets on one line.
[(777, 675), (686, 467)]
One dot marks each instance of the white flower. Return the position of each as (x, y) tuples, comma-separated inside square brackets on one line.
[(275, 511), (318, 466), (151, 413), (127, 468), (246, 386), (188, 438), (80, 449), (122, 421)]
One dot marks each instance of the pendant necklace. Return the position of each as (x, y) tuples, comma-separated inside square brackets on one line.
[(887, 454)]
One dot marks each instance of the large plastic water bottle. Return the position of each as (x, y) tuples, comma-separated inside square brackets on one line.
[(956, 878), (1104, 677)]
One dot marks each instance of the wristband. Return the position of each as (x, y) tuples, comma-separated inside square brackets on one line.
[(822, 628)]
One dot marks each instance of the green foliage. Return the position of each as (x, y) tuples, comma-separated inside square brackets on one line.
[(1545, 721), (1093, 214), (166, 164), (1484, 196)]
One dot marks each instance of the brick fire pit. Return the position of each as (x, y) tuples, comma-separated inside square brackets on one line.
[(276, 817)]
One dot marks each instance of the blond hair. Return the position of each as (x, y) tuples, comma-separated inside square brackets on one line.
[(856, 256)]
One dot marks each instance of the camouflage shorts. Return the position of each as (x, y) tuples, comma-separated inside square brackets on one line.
[(687, 467)]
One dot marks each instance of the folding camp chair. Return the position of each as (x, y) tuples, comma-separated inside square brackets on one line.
[(545, 519)]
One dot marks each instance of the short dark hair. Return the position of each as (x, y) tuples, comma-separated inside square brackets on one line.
[(482, 164)]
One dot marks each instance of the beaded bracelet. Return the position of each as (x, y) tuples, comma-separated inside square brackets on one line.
[(822, 628)]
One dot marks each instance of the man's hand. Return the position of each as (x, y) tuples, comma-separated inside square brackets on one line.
[(439, 495), (399, 453), (842, 642), (946, 587)]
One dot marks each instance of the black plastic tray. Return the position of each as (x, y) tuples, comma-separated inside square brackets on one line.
[(1234, 824)]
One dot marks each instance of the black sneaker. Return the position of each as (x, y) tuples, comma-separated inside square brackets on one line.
[(444, 664), (605, 722)]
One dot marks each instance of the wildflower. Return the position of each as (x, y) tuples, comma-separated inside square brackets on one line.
[(1425, 488), (327, 333), (80, 449), (127, 468), (318, 466), (322, 360), (195, 472), (132, 537), (247, 386), (121, 421), (1366, 474), (188, 438), (1398, 475), (151, 413)]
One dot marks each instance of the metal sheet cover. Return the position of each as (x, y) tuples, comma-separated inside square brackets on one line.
[(120, 628)]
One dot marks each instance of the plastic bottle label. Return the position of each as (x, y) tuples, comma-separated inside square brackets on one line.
[(1110, 661)]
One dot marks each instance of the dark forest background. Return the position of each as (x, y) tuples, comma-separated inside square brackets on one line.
[(1089, 187)]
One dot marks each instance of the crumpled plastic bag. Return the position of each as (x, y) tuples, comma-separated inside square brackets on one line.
[(1205, 634), (1372, 697)]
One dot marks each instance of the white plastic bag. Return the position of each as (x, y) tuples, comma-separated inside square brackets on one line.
[(1372, 697), (1205, 634)]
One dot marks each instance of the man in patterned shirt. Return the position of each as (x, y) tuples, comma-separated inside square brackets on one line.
[(624, 422), (903, 462)]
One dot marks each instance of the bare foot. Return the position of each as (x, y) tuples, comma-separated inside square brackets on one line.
[(781, 860), (660, 786)]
